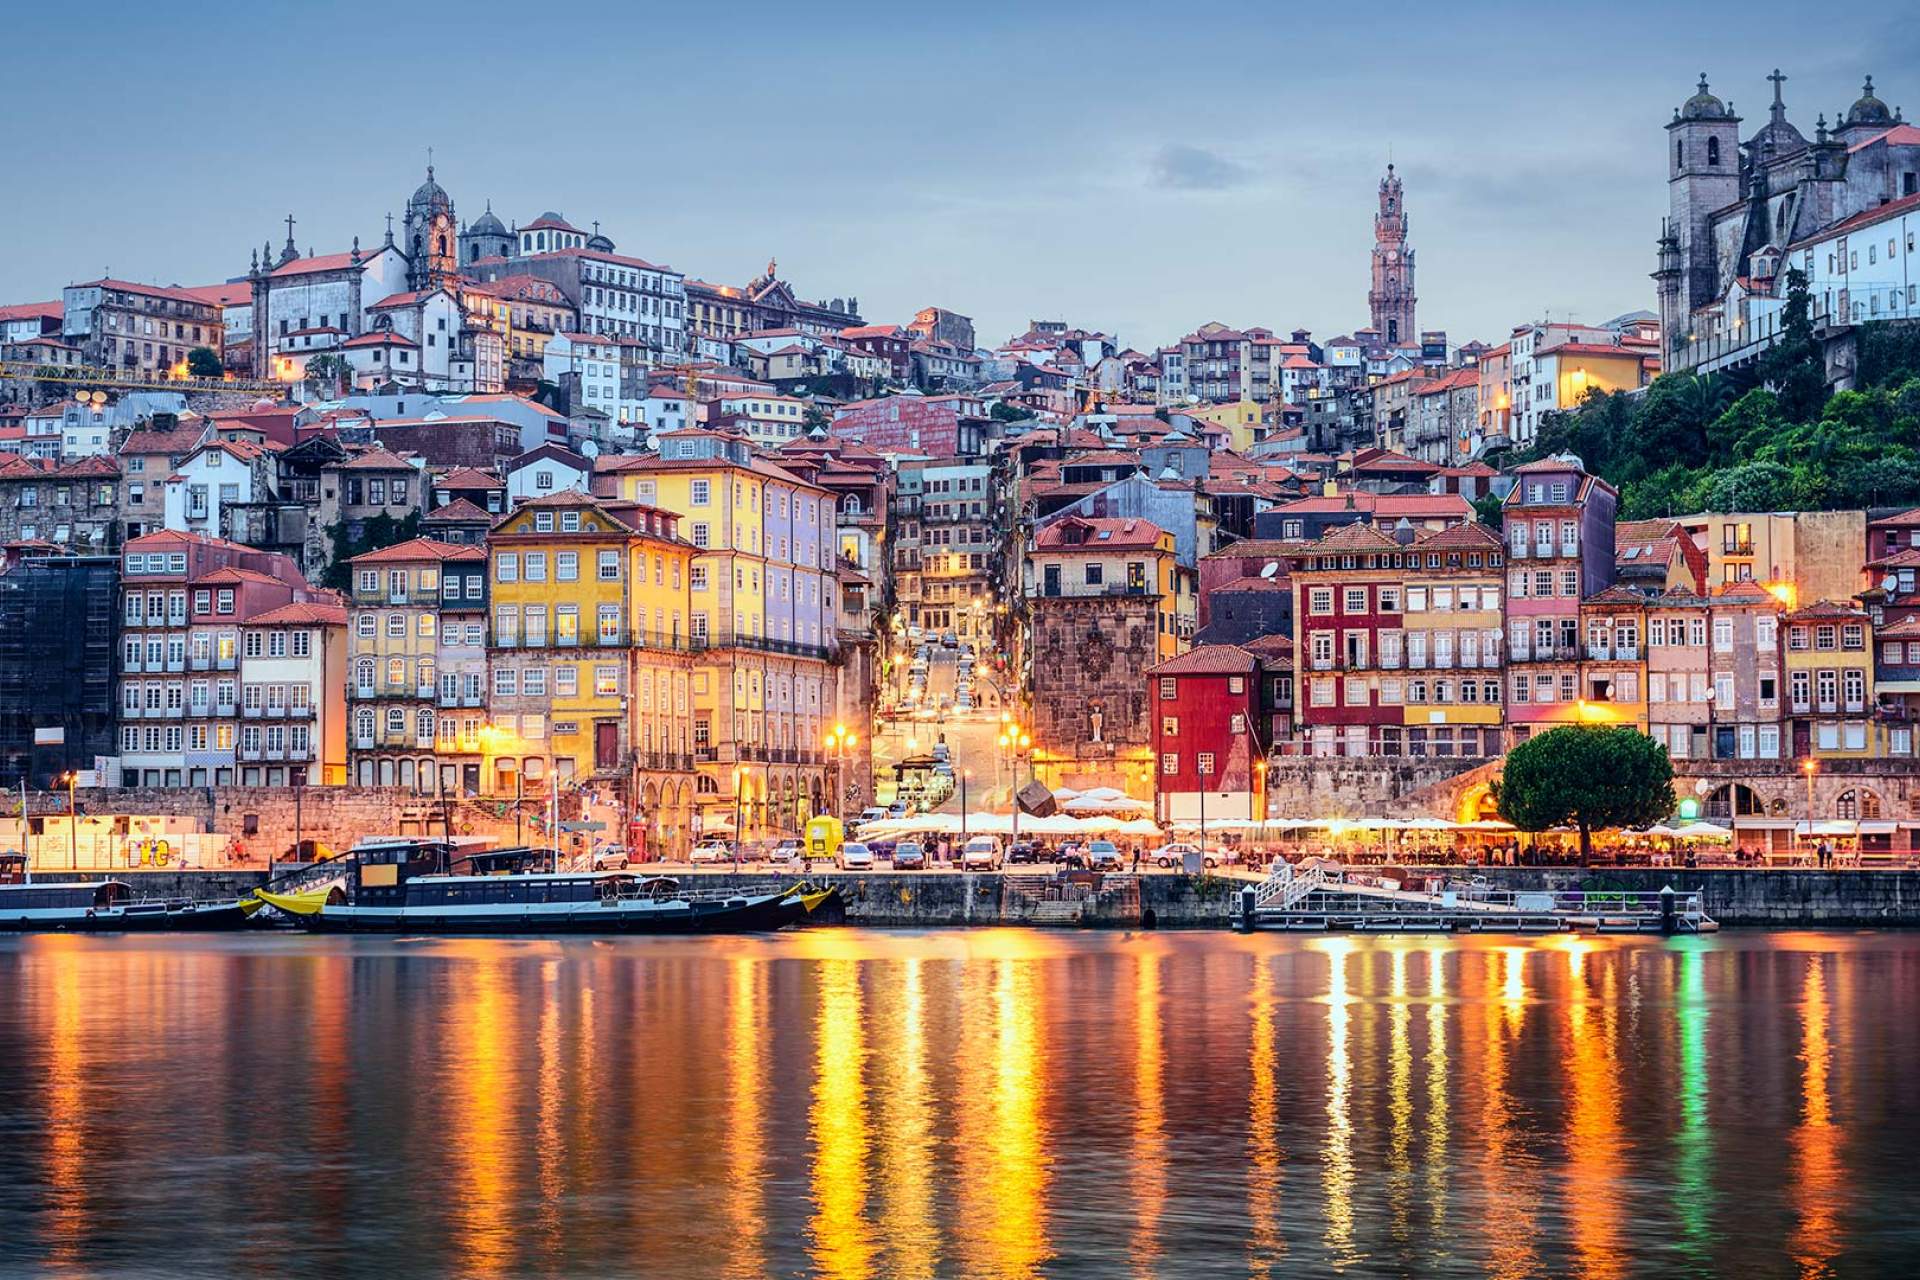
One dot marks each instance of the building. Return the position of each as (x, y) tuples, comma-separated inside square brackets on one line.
[(590, 659), (293, 696), (1741, 212), (1744, 662), (1449, 639), (59, 644), (1391, 300), (1559, 531), (1210, 758), (762, 622), (1348, 589), (612, 295), (959, 530), (139, 329), (765, 302), (73, 506), (1613, 666), (184, 599), (937, 324), (400, 625), (1798, 555), (1679, 675), (1829, 664)]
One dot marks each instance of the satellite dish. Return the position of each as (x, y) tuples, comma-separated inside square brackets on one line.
[(1272, 568), (1890, 582)]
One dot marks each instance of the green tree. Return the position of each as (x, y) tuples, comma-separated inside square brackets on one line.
[(1593, 776), (203, 363), (1488, 511), (1794, 366), (1004, 412), (814, 418)]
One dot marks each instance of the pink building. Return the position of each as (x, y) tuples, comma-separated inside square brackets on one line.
[(1559, 529)]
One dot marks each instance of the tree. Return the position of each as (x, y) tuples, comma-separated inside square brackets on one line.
[(203, 363), (1489, 511), (1589, 775), (328, 373), (1004, 412), (814, 418)]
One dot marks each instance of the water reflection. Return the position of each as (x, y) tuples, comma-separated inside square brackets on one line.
[(842, 1240), (1266, 1244), (1149, 1183), (1816, 1140), (991, 1104), (1336, 1161)]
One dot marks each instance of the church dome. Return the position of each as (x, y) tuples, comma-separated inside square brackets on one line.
[(1869, 109), (599, 243), (1704, 106), (488, 224), (1777, 137), (430, 197)]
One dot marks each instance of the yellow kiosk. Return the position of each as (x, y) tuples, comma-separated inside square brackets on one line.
[(824, 835)]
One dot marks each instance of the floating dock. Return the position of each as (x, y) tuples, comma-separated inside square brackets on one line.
[(1316, 898)]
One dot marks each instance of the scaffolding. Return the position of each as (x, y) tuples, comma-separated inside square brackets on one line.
[(59, 641)]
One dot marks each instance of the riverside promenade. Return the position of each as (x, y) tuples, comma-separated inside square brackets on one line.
[(1171, 900)]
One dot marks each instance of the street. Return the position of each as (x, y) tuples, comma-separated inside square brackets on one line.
[(971, 736)]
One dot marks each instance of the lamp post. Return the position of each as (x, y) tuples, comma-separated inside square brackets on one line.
[(1810, 766), (739, 773), (964, 775), (838, 740), (1013, 742), (73, 823)]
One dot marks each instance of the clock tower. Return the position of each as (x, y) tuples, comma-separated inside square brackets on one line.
[(1391, 299)]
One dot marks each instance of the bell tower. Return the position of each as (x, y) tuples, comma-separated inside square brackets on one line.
[(432, 236), (1391, 299)]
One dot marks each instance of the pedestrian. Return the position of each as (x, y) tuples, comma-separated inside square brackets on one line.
[(1136, 857)]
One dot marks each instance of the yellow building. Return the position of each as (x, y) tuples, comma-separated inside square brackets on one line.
[(1572, 369), (1442, 664), (1239, 417), (1800, 556), (761, 623), (1829, 703), (589, 656)]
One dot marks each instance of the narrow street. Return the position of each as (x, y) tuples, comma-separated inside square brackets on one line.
[(971, 736)]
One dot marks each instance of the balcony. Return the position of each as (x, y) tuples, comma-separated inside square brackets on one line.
[(250, 753), (448, 699), (425, 692), (224, 711), (201, 662), (225, 662), (1569, 550), (176, 664), (299, 753), (300, 713), (472, 700), (1738, 549), (276, 753), (363, 741), (176, 713), (250, 713)]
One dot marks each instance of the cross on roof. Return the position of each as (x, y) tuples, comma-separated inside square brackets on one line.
[(1778, 80), (289, 228)]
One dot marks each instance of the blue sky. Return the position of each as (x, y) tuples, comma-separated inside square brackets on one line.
[(1136, 168)]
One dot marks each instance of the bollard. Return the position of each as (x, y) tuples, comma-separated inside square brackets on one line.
[(1667, 920), (1247, 899)]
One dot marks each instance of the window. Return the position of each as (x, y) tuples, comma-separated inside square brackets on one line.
[(566, 566), (536, 566), (1169, 689), (1320, 601), (1356, 600), (1169, 763), (609, 566), (506, 567), (701, 492)]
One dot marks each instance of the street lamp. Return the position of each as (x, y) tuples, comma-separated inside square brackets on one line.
[(73, 823), (1014, 741), (1810, 766), (838, 740), (964, 775), (739, 773)]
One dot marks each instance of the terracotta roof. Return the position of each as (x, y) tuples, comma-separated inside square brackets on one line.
[(1459, 537), (1543, 465), (231, 294), (1902, 520), (1208, 660), (326, 615), (1907, 626), (1827, 609), (468, 478), (1880, 213), (420, 549), (327, 262), (1904, 558), (1256, 549), (151, 290), (387, 339), (1350, 537), (1616, 595), (1274, 650), (32, 311), (1385, 506), (459, 511), (1105, 533), (377, 460), (234, 575)]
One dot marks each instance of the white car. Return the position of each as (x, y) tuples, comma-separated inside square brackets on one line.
[(611, 857), (711, 851), (855, 856), (982, 853)]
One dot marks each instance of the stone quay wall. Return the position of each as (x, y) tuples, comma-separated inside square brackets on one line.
[(262, 820)]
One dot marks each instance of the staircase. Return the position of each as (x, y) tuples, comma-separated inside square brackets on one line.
[(1284, 889)]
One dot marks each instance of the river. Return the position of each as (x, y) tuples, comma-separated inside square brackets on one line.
[(991, 1103)]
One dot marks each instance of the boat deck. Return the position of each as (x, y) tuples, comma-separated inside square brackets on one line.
[(1319, 900)]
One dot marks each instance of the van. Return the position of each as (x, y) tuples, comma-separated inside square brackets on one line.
[(982, 853)]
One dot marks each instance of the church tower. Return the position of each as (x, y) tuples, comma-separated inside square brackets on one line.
[(1703, 174), (433, 237), (1391, 299)]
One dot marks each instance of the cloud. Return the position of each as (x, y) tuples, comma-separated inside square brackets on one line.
[(1178, 167)]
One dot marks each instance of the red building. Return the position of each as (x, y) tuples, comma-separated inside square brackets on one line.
[(887, 341), (1346, 589), (1206, 735)]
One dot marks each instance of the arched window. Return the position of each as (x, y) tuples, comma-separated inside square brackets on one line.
[(1734, 799), (1857, 804), (396, 672), (363, 673), (707, 786), (423, 729), (1713, 152), (852, 504), (363, 724), (440, 245)]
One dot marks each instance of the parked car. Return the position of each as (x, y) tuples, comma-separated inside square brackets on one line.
[(1103, 855), (941, 750), (948, 640), (982, 853), (871, 812), (855, 856), (711, 851), (909, 855), (1173, 855), (611, 857), (787, 851), (898, 809), (1022, 852)]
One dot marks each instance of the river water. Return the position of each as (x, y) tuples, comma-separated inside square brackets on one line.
[(992, 1103)]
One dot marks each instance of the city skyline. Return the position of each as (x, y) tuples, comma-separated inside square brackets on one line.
[(1129, 193)]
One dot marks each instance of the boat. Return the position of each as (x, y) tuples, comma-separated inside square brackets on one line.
[(413, 887), (108, 906)]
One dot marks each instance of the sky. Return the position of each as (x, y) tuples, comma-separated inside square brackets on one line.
[(1135, 168)]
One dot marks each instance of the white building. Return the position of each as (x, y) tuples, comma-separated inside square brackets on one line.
[(1865, 268), (213, 477), (595, 359), (546, 470)]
